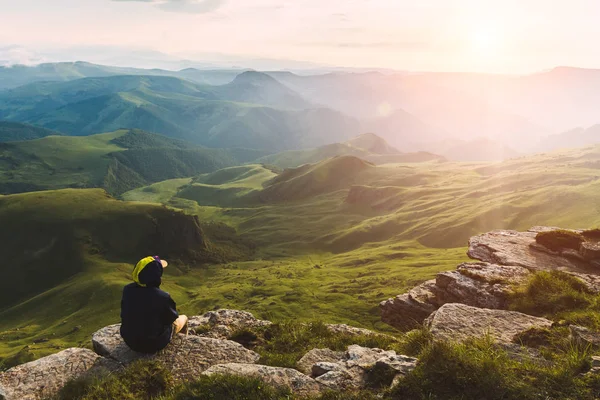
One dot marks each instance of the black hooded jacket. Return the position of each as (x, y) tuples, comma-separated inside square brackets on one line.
[(147, 313)]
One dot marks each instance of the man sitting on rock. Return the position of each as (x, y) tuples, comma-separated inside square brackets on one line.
[(149, 318)]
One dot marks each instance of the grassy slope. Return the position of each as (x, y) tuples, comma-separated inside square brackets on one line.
[(117, 161), (369, 147), (68, 254), (324, 258), (14, 131)]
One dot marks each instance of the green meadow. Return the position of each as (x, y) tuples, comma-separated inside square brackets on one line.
[(327, 241)]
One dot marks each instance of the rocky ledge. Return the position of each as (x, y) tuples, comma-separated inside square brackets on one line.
[(205, 351), (507, 258)]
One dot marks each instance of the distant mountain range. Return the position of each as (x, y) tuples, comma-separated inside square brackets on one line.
[(369, 147), (253, 111), (280, 110)]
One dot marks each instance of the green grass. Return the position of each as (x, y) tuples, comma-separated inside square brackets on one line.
[(476, 369), (318, 258), (118, 162), (558, 296), (284, 344)]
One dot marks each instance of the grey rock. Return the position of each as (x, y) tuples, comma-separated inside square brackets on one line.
[(350, 371), (344, 329), (186, 356), (221, 324), (343, 379), (322, 368), (297, 382), (520, 249), (314, 356), (590, 251), (365, 357), (459, 322), (408, 311), (475, 284), (43, 378), (584, 336), (400, 364)]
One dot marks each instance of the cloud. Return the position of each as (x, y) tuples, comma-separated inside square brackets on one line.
[(16, 55), (185, 6)]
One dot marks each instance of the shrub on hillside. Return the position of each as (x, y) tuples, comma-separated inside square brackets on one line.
[(560, 239)]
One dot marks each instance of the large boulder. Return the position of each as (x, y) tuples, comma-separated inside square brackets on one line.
[(297, 382), (521, 249), (186, 356), (349, 370), (475, 284), (221, 324), (408, 311), (459, 322), (43, 378)]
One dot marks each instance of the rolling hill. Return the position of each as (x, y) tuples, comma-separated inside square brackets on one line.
[(201, 114), (68, 253), (369, 147), (117, 161), (14, 131), (333, 239)]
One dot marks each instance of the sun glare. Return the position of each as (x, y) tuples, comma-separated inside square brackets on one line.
[(485, 40)]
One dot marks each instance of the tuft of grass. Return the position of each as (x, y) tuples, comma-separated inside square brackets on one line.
[(559, 296), (141, 380), (560, 239), (228, 387), (480, 370), (284, 344)]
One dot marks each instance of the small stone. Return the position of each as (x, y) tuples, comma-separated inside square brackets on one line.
[(319, 355), (321, 368), (590, 251), (399, 363), (584, 336)]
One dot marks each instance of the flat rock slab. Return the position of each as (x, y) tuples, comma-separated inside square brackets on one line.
[(297, 382), (520, 249), (186, 356), (221, 324), (476, 284), (43, 378), (459, 322)]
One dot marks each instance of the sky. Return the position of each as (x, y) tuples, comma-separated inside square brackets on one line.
[(501, 36)]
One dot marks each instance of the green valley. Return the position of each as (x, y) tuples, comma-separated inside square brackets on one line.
[(117, 161), (327, 240)]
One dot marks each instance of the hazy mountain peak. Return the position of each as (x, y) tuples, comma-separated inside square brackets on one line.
[(254, 77), (372, 143)]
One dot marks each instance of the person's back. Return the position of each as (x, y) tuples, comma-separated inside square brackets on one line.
[(149, 316)]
